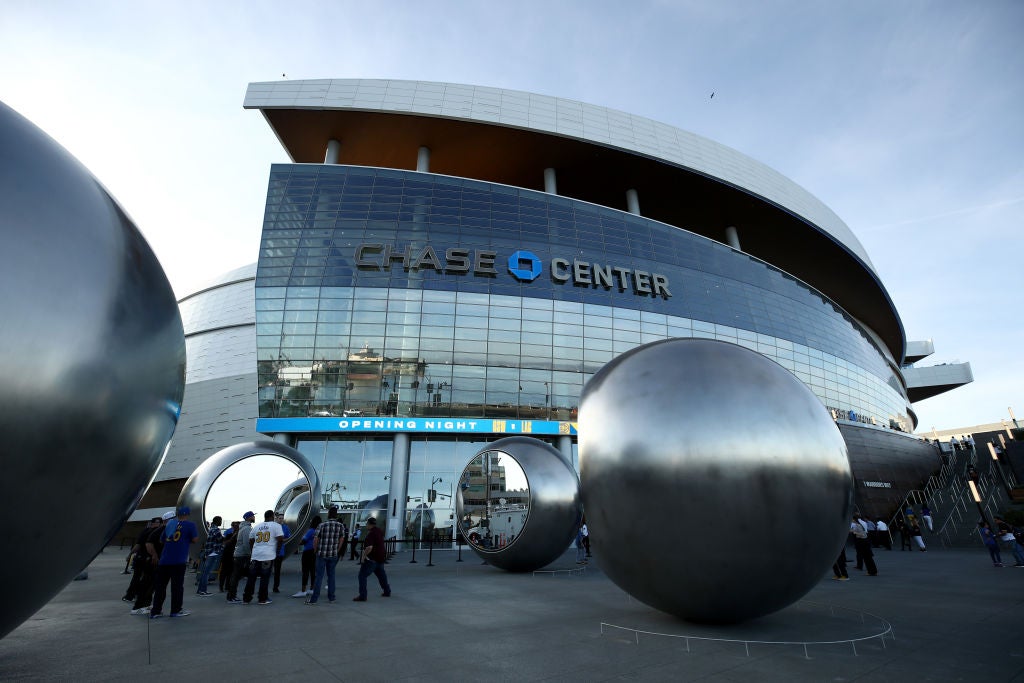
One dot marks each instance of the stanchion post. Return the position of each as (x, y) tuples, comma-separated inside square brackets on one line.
[(430, 553), (413, 560)]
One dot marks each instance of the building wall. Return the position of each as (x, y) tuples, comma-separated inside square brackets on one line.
[(336, 336), (219, 407)]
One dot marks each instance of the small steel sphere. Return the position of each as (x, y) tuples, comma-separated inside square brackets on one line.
[(532, 530), (92, 368), (700, 459), (294, 498)]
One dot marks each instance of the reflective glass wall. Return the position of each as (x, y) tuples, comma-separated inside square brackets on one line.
[(383, 292)]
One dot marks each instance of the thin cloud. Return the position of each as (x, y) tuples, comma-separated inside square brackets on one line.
[(955, 212)]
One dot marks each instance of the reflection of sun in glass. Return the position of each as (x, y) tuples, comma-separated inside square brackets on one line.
[(254, 484)]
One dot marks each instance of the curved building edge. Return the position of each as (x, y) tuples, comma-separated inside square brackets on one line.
[(359, 116)]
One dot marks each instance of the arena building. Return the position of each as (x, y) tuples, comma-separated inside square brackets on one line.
[(442, 265)]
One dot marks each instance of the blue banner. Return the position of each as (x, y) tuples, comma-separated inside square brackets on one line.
[(418, 425)]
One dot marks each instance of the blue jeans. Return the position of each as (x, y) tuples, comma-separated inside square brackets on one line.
[(581, 554), (324, 565), (209, 564), (370, 567)]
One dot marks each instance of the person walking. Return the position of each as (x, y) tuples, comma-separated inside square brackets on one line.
[(264, 539), (327, 543), (179, 535), (586, 537), (862, 545), (355, 542), (212, 552), (926, 515), (308, 559), (989, 539), (241, 556), (581, 548), (915, 533), (373, 556)]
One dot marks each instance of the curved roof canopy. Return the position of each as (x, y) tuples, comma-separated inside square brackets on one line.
[(509, 137)]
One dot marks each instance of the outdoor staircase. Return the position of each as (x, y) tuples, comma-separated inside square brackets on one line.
[(955, 513)]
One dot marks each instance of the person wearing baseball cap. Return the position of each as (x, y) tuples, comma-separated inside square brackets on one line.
[(240, 556), (179, 535)]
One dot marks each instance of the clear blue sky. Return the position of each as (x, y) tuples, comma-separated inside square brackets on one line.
[(904, 117)]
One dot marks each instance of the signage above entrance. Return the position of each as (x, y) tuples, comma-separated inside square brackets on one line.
[(443, 425), (524, 266)]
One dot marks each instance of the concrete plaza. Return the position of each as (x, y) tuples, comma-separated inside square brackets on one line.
[(953, 617)]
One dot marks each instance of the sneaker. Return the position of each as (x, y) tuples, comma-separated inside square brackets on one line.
[(844, 578), (276, 590), (141, 610), (155, 615), (182, 613), (330, 600), (300, 594), (203, 594), (358, 599), (234, 601), (310, 602), (127, 599), (386, 595), (265, 602)]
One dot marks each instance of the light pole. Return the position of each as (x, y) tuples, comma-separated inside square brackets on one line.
[(999, 467), (976, 495)]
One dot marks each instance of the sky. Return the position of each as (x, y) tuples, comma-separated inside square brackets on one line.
[(906, 118)]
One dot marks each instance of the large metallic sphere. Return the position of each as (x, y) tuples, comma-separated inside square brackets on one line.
[(717, 487), (92, 365), (297, 511), (542, 531)]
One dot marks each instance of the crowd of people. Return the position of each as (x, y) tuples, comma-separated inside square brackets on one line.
[(254, 551), (867, 535)]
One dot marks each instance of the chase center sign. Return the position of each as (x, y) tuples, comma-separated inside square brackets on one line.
[(523, 265)]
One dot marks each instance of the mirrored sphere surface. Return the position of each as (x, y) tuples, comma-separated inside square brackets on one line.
[(293, 497), (495, 500), (699, 458), (541, 510), (92, 363)]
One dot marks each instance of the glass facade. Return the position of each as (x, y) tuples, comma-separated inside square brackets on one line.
[(385, 292)]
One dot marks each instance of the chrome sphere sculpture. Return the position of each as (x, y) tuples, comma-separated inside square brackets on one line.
[(92, 363), (532, 516), (697, 456), (198, 486)]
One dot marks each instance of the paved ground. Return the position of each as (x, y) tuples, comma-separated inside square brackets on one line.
[(954, 618)]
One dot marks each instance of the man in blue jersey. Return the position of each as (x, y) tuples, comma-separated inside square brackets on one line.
[(178, 536)]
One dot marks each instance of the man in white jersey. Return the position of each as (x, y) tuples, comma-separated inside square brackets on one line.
[(264, 540)]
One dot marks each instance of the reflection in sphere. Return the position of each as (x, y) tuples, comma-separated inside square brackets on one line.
[(730, 459), (518, 504), (294, 497), (92, 363)]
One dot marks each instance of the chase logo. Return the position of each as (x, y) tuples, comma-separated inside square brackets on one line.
[(524, 265)]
